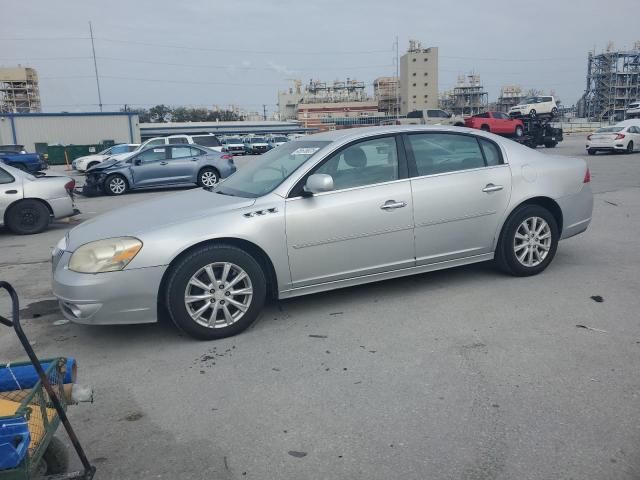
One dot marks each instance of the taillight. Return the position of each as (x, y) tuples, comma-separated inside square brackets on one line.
[(70, 185), (589, 137), (587, 176), (619, 136), (227, 157)]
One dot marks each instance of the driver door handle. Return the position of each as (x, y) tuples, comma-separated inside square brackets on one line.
[(492, 188), (163, 163), (392, 204)]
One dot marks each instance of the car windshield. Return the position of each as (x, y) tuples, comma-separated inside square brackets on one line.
[(234, 140), (257, 140), (271, 170), (609, 129), (280, 139)]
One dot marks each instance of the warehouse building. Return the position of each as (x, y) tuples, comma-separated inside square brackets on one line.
[(418, 78), (37, 130)]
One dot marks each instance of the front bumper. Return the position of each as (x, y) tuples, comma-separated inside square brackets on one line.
[(124, 297)]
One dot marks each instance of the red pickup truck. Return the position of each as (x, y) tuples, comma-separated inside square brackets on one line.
[(496, 122)]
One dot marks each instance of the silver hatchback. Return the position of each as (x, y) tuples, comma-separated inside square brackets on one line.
[(322, 212)]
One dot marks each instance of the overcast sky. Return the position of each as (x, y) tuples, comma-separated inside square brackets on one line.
[(201, 53)]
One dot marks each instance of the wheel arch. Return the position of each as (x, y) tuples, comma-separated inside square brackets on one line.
[(251, 248), (542, 201), (12, 204)]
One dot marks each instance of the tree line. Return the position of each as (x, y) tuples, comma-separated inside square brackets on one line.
[(166, 113)]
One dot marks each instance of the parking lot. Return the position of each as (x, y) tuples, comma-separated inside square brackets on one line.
[(465, 373)]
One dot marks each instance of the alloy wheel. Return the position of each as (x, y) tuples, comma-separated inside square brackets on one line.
[(117, 185), (209, 178), (532, 241), (218, 295)]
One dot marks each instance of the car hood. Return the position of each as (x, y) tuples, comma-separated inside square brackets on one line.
[(91, 157), (146, 216), (108, 164)]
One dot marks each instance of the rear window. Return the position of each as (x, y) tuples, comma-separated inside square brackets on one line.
[(609, 130), (207, 140)]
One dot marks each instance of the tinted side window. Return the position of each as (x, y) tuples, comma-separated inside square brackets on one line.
[(444, 152), (152, 155), (547, 99), (196, 152), (177, 141), (483, 115), (491, 152), (363, 163), (207, 141), (5, 177)]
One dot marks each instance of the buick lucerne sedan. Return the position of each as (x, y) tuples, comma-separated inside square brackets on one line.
[(321, 212)]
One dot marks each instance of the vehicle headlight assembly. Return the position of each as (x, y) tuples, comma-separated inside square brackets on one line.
[(109, 255)]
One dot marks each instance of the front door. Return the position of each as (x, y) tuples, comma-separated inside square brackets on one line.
[(460, 191), (364, 226), (148, 167)]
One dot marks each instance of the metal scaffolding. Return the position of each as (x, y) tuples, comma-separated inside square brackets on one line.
[(467, 98), (19, 92), (613, 81), (510, 95)]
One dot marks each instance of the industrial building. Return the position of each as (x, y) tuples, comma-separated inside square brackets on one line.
[(19, 90), (613, 81), (468, 97), (38, 130), (418, 78), (316, 105), (509, 97), (386, 91)]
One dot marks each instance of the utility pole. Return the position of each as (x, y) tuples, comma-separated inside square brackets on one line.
[(264, 111), (95, 66), (397, 83)]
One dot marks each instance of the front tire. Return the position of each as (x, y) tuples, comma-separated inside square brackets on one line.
[(533, 113), (485, 128), (116, 185), (215, 292), (208, 177), (591, 151), (528, 242), (27, 217), (519, 131)]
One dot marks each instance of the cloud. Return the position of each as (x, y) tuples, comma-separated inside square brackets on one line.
[(281, 69)]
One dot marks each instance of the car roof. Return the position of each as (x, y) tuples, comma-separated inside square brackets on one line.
[(355, 133)]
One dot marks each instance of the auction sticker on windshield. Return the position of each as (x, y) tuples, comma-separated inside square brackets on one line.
[(305, 151)]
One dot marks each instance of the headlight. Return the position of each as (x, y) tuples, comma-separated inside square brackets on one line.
[(110, 255)]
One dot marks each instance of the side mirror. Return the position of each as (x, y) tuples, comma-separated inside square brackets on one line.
[(137, 161), (318, 183)]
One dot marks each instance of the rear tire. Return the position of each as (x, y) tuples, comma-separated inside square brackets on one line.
[(551, 144), (115, 185), (27, 217), (215, 316), (630, 147), (515, 242), (208, 177), (591, 151), (554, 111)]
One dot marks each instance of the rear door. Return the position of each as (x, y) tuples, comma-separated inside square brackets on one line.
[(182, 164), (148, 167), (461, 186)]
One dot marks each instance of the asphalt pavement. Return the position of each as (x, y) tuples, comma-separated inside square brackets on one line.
[(459, 374)]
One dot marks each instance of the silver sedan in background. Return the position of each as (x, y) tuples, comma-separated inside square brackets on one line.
[(28, 203), (325, 211)]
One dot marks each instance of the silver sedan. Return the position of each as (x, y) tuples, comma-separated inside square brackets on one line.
[(322, 212), (28, 203)]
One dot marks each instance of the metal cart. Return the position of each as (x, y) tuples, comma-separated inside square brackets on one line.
[(43, 408)]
